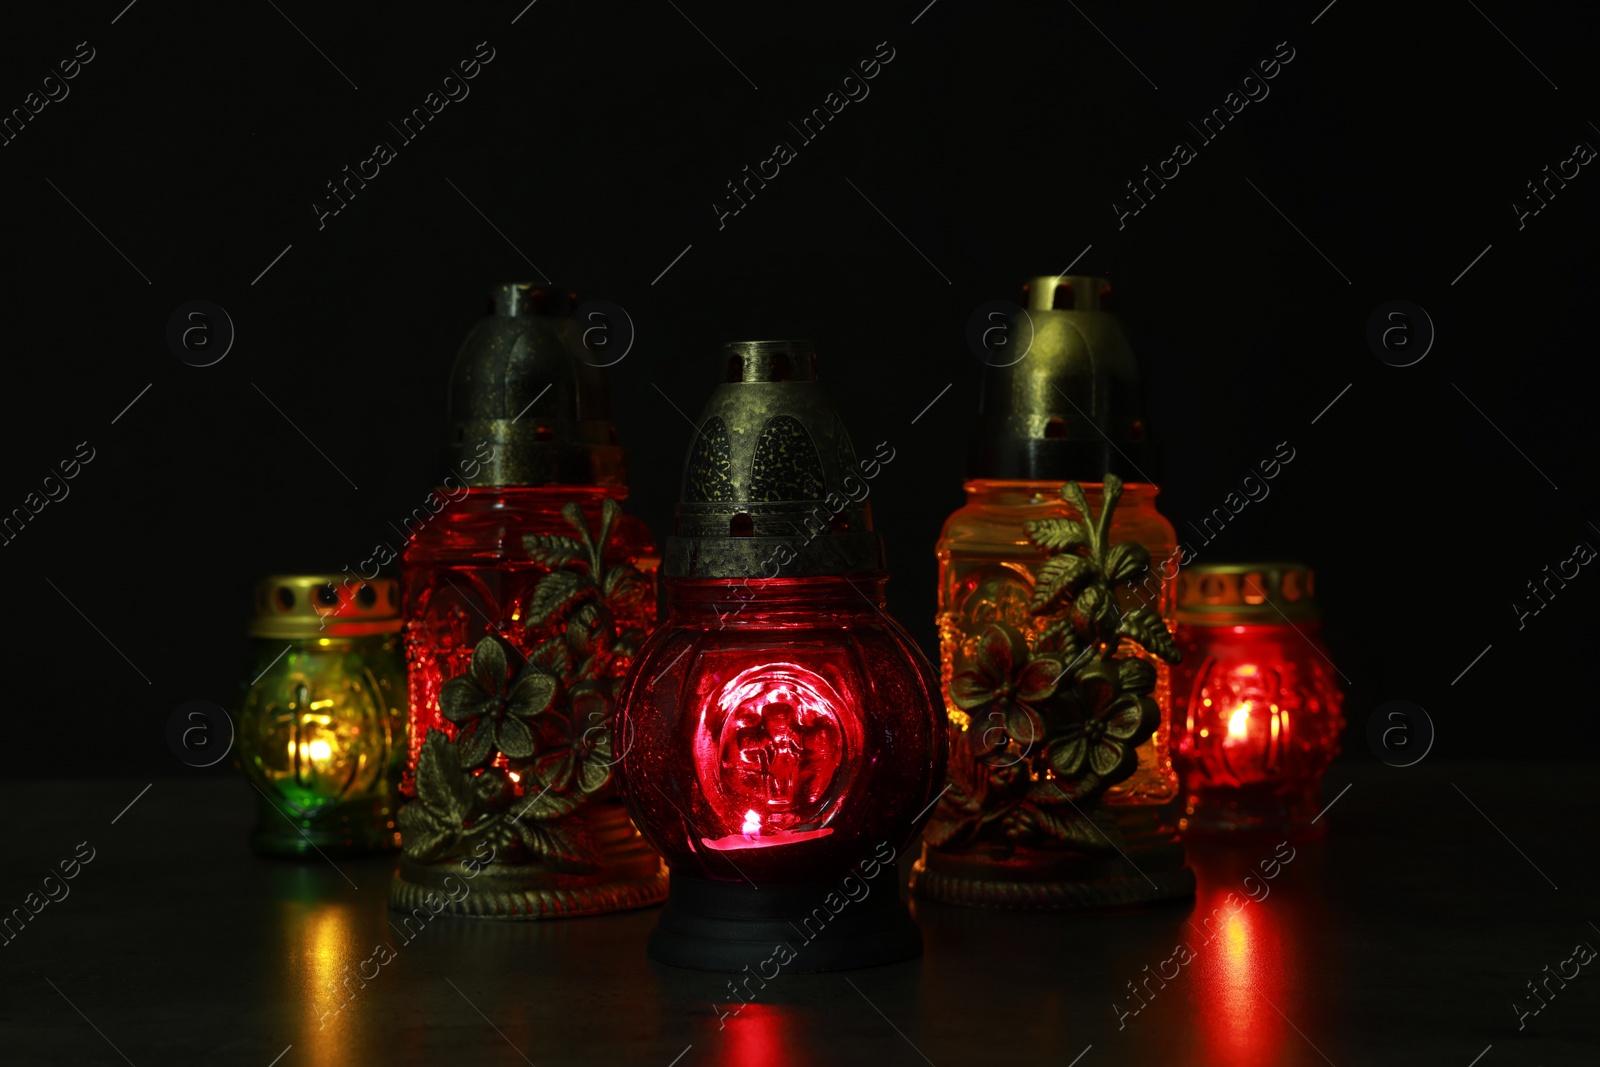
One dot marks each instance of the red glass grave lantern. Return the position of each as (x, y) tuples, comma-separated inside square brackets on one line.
[(784, 736), (527, 592), (1256, 705)]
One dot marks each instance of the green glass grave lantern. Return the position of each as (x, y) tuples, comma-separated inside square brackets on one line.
[(322, 727)]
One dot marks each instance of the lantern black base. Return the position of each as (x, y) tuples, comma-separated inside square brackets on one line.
[(804, 926)]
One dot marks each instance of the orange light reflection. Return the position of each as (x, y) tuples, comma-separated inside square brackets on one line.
[(326, 956)]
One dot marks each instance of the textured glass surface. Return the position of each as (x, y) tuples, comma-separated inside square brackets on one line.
[(1257, 721), (322, 733), (986, 575), (779, 730), (468, 573)]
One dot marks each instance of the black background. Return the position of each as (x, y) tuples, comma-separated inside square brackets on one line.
[(995, 141)]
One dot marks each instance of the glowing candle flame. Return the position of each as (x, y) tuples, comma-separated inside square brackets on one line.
[(752, 823), (320, 750), (1239, 721)]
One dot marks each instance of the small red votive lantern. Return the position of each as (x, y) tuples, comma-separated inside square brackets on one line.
[(1256, 706), (783, 738)]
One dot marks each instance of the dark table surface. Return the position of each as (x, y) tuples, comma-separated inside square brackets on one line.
[(1404, 937)]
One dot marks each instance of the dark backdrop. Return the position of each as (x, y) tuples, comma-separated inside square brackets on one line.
[(991, 147)]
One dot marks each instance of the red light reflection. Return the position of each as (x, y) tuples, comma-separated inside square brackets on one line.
[(758, 1036), (1243, 953)]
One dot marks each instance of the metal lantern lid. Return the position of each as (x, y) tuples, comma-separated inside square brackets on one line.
[(1068, 409), (521, 392), (1221, 594), (292, 606), (771, 485)]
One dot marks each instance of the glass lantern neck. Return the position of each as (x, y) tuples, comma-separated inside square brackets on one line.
[(808, 597), (1244, 630), (482, 500), (1020, 491), (551, 491)]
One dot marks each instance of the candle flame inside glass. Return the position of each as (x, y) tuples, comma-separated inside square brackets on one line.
[(1239, 721)]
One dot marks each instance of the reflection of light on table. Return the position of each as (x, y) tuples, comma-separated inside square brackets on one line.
[(1234, 933), (751, 836), (758, 1034), (1240, 964), (322, 957)]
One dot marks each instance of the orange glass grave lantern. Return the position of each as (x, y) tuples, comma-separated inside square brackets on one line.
[(1256, 702), (1032, 819)]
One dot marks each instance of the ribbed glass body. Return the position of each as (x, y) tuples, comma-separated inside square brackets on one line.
[(1256, 722), (322, 736)]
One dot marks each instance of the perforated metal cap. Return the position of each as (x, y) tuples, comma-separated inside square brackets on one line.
[(772, 485), (325, 605), (1220, 594)]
